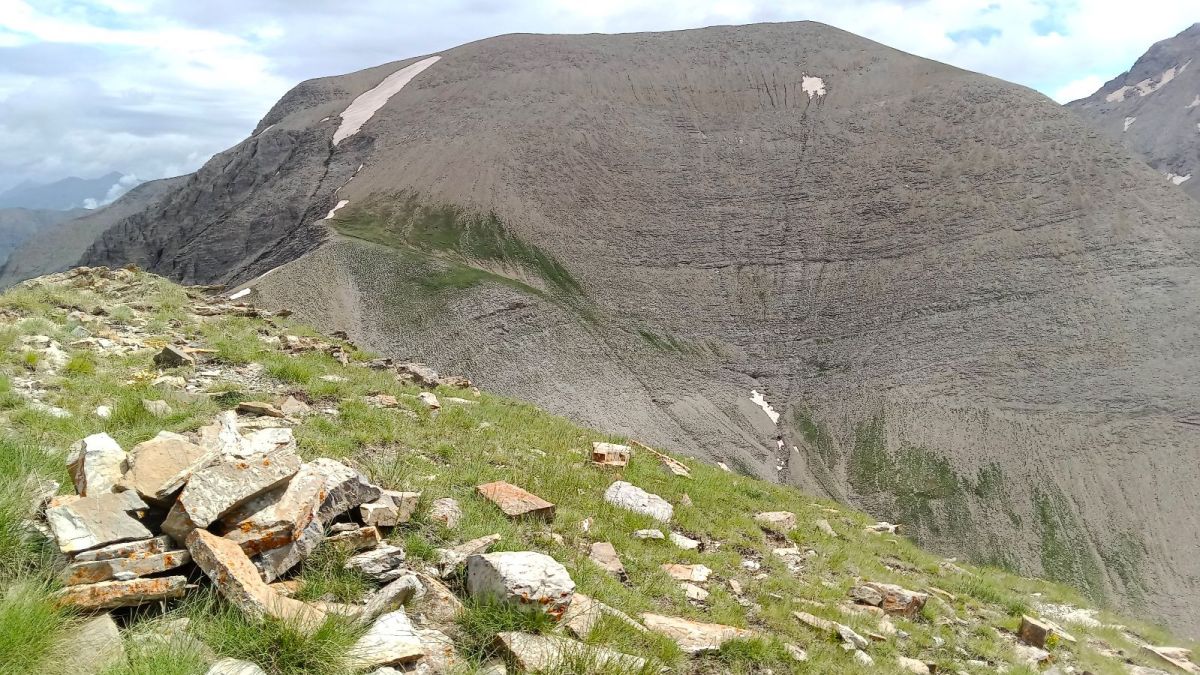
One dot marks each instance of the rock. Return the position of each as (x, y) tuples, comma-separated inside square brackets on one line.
[(866, 595), (159, 467), (382, 512), (357, 539), (685, 500), (173, 357), (1033, 632), (687, 572), (649, 534), (294, 407), (780, 521), (128, 549), (450, 558), (912, 665), (96, 647), (156, 408), (1030, 655), (605, 555), (389, 641), (103, 412), (847, 634), (440, 655), (670, 464), (694, 637), (900, 601), (547, 653), (585, 612), (91, 572), (735, 586), (445, 511), (825, 528), (1176, 656), (96, 464), (694, 592), (883, 527), (219, 487), (523, 578), (684, 542), (169, 382), (406, 504), (238, 580), (108, 594), (383, 564), (229, 666), (259, 408), (429, 400), (796, 652), (628, 496), (515, 502), (610, 454), (438, 603), (91, 522), (863, 658), (392, 596)]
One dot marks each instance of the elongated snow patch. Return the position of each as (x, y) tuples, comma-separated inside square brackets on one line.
[(813, 86), (334, 210), (369, 102), (240, 294), (761, 401), (1128, 122)]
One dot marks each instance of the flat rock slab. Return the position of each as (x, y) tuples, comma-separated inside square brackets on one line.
[(611, 454), (1176, 656), (516, 502), (694, 637), (239, 581), (382, 564), (524, 578), (898, 600), (221, 486), (438, 603), (847, 634), (687, 572), (100, 520), (445, 511), (547, 653), (159, 467), (123, 568), (780, 521), (633, 498), (391, 640), (128, 549), (96, 465), (109, 594), (259, 408), (605, 555), (585, 612)]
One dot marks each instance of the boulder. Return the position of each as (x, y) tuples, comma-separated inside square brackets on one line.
[(445, 511), (96, 647), (780, 521), (91, 522), (229, 666), (382, 564), (108, 594), (694, 637), (219, 487), (392, 596), (912, 665), (516, 502), (157, 408), (96, 464), (261, 408), (633, 498), (548, 653), (173, 357), (391, 640), (605, 555), (238, 580), (524, 578), (898, 600), (611, 454), (123, 569), (159, 467), (687, 572), (128, 549), (684, 543)]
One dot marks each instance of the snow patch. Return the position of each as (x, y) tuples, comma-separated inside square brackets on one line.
[(761, 401), (1195, 102), (1177, 179), (369, 102), (269, 127), (334, 210), (813, 86), (1148, 85), (240, 294), (325, 119), (1128, 122)]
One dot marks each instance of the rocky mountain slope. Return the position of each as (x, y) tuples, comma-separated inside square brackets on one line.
[(20, 225), (929, 293), (191, 486), (1154, 109)]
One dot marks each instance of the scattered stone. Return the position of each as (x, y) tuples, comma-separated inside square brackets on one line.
[(1176, 656), (103, 412), (450, 558), (382, 401), (169, 382), (92, 522), (694, 637), (685, 500), (173, 357), (445, 511), (516, 502), (109, 594), (156, 408), (357, 539), (913, 665), (610, 454), (649, 534), (91, 572), (429, 400), (547, 653), (159, 467), (1030, 655), (684, 542), (897, 600), (238, 580), (96, 646), (294, 407), (383, 564), (392, 596), (847, 634), (524, 578), (1033, 632), (228, 666), (866, 595), (687, 572), (735, 586), (585, 612), (863, 658), (796, 652), (259, 408), (128, 549), (96, 464), (883, 527), (633, 498), (694, 592), (389, 641), (438, 603), (780, 521), (825, 528), (605, 555)]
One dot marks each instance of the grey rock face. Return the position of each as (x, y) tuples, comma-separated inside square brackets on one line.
[(525, 578), (92, 522), (633, 498)]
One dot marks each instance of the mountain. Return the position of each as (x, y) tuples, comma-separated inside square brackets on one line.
[(68, 193), (1154, 109), (19, 225), (928, 293), (58, 245)]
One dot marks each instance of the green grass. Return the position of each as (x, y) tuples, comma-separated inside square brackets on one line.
[(481, 620), (324, 576), (32, 629)]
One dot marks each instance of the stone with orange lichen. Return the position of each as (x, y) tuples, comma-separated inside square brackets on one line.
[(219, 487), (516, 502), (108, 594), (159, 467), (90, 572), (524, 578)]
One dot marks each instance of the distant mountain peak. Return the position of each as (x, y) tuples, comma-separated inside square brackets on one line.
[(69, 193)]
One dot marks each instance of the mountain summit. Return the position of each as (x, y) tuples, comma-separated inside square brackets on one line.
[(923, 291), (1154, 108)]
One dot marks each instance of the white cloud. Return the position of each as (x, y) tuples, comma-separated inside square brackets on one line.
[(1077, 89)]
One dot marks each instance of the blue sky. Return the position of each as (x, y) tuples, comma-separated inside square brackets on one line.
[(155, 87)]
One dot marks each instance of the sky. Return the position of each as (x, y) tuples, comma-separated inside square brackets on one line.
[(154, 88)]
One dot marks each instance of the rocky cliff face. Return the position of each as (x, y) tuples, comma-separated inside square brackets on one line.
[(1154, 109), (927, 292)]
